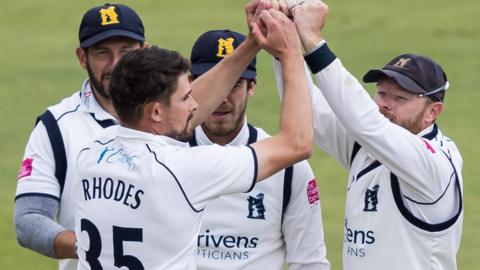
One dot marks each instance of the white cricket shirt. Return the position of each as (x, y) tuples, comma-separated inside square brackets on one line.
[(79, 118), (252, 231), (139, 197), (404, 194)]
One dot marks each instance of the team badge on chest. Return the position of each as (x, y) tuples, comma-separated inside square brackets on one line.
[(371, 199), (256, 209)]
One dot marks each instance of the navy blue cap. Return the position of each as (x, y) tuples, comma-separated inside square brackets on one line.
[(212, 46), (415, 73), (110, 20)]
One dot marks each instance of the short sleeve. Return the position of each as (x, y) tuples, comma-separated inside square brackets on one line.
[(209, 171), (37, 169)]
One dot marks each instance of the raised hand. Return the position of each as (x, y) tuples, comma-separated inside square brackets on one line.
[(253, 10), (281, 37), (309, 18), (283, 7)]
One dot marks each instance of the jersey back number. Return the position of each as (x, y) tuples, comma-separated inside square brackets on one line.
[(120, 235)]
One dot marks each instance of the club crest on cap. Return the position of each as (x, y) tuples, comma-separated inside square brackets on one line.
[(212, 47), (225, 47), (402, 62), (109, 15)]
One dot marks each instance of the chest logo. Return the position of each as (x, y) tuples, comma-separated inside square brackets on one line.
[(371, 199), (256, 209)]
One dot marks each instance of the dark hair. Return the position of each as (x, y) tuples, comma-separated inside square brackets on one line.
[(142, 76)]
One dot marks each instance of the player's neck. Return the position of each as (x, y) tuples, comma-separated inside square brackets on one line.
[(106, 104), (224, 139), (146, 126)]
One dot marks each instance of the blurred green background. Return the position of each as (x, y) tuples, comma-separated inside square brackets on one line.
[(38, 68)]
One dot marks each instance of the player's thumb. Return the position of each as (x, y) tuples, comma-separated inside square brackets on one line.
[(258, 35)]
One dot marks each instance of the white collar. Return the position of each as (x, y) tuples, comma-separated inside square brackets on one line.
[(90, 104), (129, 133), (426, 131)]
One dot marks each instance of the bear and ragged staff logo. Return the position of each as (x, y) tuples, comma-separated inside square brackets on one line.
[(371, 199), (256, 209), (225, 47), (109, 15), (402, 62)]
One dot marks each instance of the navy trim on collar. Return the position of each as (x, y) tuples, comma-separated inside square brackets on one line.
[(432, 134), (104, 123), (193, 141), (252, 136)]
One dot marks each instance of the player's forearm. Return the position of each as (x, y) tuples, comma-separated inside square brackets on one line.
[(296, 122), (212, 87), (329, 134), (34, 225)]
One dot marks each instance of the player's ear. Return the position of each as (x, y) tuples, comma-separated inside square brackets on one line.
[(251, 87), (82, 57), (154, 111), (433, 111)]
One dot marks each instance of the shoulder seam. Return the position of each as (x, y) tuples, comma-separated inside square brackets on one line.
[(175, 177), (67, 112)]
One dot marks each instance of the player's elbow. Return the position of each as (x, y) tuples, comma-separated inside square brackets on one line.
[(306, 151), (21, 234), (302, 145), (22, 241)]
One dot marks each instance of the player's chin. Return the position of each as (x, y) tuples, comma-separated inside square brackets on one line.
[(389, 117), (186, 135)]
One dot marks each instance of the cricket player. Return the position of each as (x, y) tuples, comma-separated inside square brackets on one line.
[(279, 221), (43, 208), (404, 194), (140, 192), (43, 204)]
